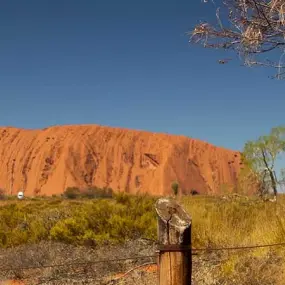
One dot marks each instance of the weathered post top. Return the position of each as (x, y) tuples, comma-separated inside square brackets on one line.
[(174, 223), (174, 235)]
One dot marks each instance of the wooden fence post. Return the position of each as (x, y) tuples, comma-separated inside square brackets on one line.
[(174, 236)]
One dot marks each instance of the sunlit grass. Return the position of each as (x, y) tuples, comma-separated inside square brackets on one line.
[(238, 222)]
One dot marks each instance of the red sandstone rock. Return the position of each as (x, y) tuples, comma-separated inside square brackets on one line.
[(132, 161)]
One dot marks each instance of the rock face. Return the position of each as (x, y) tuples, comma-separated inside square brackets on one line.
[(50, 160)]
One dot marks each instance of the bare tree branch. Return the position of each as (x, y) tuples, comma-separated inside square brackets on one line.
[(254, 28)]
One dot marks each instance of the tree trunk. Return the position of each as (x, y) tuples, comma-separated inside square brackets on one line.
[(274, 183)]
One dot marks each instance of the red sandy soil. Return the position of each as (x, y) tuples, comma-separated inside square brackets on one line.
[(150, 268), (11, 282), (125, 160)]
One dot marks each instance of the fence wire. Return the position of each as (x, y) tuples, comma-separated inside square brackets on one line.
[(107, 272), (124, 271)]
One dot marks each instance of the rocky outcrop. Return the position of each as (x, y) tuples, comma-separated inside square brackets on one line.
[(49, 160)]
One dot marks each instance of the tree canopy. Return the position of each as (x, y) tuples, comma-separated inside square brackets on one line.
[(252, 28), (262, 154)]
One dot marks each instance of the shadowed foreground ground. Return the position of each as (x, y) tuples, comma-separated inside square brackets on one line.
[(208, 268)]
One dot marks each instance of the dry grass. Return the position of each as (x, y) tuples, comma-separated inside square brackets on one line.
[(239, 222), (217, 222), (236, 222), (76, 263)]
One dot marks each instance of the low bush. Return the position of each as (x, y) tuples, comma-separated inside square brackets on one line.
[(91, 222), (95, 192), (89, 193), (71, 193)]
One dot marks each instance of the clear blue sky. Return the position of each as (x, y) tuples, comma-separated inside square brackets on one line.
[(128, 64)]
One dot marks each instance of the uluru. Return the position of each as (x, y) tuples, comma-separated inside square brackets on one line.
[(52, 159)]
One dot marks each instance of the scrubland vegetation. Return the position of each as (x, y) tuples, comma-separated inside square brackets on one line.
[(217, 222), (80, 221)]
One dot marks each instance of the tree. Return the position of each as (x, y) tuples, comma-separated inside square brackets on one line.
[(261, 155), (282, 180), (175, 188), (252, 28)]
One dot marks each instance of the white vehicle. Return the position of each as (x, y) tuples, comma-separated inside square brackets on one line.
[(20, 195)]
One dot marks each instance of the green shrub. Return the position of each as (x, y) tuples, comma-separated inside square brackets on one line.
[(70, 230), (175, 188), (71, 193), (95, 192), (123, 198)]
